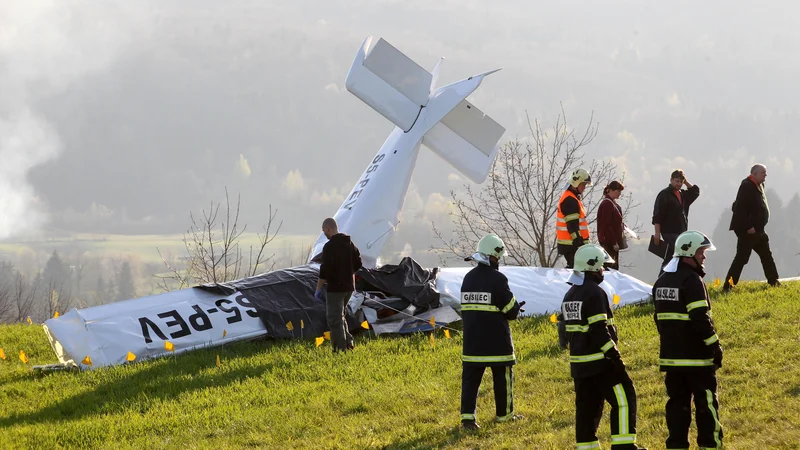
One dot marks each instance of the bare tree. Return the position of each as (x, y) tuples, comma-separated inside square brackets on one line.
[(214, 252), (303, 255), (519, 200), (25, 295), (57, 300), (18, 295), (7, 283)]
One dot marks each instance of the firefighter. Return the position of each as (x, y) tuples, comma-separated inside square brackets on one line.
[(487, 304), (595, 362), (572, 227), (690, 349)]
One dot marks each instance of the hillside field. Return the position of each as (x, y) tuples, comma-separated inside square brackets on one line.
[(393, 392)]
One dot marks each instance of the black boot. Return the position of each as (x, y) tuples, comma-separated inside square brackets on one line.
[(470, 425)]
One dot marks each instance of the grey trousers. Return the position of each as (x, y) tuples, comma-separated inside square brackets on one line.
[(336, 304)]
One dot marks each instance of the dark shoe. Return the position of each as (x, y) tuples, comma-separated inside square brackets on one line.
[(470, 425), (350, 346), (775, 283)]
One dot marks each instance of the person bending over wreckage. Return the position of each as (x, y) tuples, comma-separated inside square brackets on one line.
[(487, 304), (340, 261), (595, 363)]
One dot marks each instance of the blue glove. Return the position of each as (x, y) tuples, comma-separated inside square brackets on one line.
[(319, 296)]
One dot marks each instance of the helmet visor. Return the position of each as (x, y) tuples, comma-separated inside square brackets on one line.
[(708, 245)]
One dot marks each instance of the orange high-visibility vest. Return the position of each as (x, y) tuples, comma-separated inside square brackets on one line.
[(563, 236)]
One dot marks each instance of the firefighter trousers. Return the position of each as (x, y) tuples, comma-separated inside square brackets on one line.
[(591, 393), (681, 387), (569, 256), (503, 391)]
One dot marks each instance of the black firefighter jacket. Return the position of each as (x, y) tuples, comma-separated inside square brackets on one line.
[(590, 329), (487, 304), (683, 319)]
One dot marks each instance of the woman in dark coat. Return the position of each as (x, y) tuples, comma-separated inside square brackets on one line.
[(609, 222)]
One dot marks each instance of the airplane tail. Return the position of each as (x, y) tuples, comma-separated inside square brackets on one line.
[(400, 90), (439, 118)]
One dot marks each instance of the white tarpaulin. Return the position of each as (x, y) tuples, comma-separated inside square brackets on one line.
[(542, 289)]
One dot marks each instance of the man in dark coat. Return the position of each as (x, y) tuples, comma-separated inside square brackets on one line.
[(340, 261), (671, 211), (750, 216)]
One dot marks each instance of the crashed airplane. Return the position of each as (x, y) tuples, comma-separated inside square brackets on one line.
[(281, 303)]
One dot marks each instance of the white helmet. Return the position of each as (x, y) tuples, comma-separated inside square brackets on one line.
[(580, 175), (689, 242), (491, 245), (590, 258)]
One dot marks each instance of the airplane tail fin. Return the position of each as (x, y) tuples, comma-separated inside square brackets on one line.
[(390, 82), (467, 139), (399, 89)]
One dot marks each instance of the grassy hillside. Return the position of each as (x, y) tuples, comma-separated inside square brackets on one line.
[(392, 393)]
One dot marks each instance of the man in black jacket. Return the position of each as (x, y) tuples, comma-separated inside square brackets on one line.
[(671, 211), (750, 216), (340, 261), (690, 349), (595, 363), (487, 304)]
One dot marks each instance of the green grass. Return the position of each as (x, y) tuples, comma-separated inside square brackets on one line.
[(391, 392)]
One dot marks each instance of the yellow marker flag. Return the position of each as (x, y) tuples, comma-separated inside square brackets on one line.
[(554, 318), (327, 335), (433, 322), (55, 316), (717, 282), (130, 357), (289, 326), (365, 325), (87, 361), (302, 325), (29, 321), (616, 299), (224, 333), (168, 346), (447, 333), (2, 354), (432, 341), (730, 281), (319, 341), (218, 364), (23, 357)]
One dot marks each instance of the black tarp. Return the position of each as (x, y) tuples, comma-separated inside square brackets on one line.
[(287, 295), (407, 280), (281, 297)]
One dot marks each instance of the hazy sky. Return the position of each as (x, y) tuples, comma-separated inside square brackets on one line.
[(122, 116)]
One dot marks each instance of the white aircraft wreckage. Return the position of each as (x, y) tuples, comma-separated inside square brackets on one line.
[(281, 303)]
